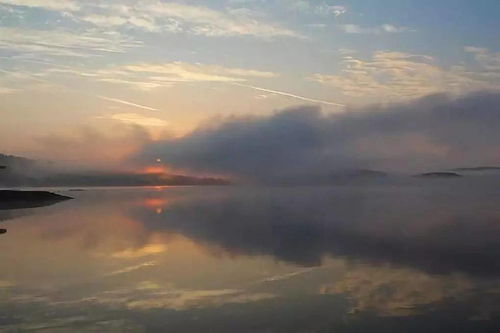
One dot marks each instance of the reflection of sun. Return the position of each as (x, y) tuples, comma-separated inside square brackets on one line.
[(156, 204)]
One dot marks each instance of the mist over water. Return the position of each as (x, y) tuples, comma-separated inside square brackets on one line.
[(305, 145), (410, 257)]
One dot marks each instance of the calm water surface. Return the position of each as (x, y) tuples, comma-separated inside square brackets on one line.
[(412, 258)]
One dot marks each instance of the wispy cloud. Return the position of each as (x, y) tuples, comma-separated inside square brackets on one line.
[(397, 75), (159, 16), (181, 71), (489, 61), (19, 77), (5, 90), (387, 28), (208, 22), (137, 119), (56, 5), (147, 76), (320, 8), (62, 43)]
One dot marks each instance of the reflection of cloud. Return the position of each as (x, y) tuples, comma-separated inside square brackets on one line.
[(186, 299), (6, 284), (287, 275), (375, 226), (147, 250), (396, 292), (132, 268)]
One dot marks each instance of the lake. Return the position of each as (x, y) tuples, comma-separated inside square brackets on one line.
[(420, 257)]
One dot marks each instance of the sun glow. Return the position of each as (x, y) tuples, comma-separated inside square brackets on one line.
[(154, 170)]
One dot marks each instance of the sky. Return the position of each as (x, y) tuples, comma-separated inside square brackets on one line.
[(94, 81)]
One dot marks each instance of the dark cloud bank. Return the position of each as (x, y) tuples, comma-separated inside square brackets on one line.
[(304, 143)]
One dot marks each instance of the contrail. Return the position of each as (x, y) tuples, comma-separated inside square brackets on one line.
[(290, 95), (116, 100)]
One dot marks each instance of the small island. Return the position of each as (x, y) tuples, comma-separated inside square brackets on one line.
[(440, 175), (479, 168)]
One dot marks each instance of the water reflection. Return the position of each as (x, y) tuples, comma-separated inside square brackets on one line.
[(256, 259), (438, 232)]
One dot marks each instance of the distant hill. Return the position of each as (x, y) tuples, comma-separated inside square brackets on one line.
[(359, 173), (11, 161), (440, 175), (479, 168), (122, 179), (20, 171)]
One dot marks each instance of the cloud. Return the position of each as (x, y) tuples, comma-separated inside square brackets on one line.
[(393, 28), (160, 16), (208, 22), (5, 90), (139, 85), (396, 76), (63, 43), (489, 61), (181, 71), (57, 5), (356, 29), (304, 144), (146, 76), (319, 8), (136, 119)]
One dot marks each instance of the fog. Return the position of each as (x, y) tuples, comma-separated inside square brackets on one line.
[(432, 133)]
